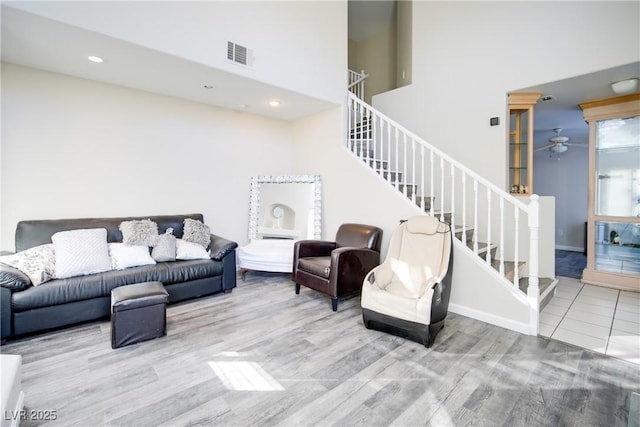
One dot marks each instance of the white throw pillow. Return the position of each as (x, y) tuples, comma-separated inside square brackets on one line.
[(190, 250), (81, 252), (125, 256), (38, 263)]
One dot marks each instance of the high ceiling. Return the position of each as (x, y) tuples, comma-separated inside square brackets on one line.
[(38, 42), (50, 45)]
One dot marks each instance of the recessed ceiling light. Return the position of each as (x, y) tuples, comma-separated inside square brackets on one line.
[(94, 59), (207, 86), (274, 103)]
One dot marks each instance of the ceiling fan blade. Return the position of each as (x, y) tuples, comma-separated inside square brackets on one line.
[(546, 147), (577, 145)]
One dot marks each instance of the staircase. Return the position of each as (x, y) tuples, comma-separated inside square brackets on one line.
[(489, 223)]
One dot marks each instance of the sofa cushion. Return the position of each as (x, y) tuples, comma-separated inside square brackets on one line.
[(32, 233), (62, 291), (38, 263), (319, 266), (125, 256), (80, 252), (197, 232)]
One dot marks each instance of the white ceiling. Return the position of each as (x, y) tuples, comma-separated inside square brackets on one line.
[(37, 42), (564, 111)]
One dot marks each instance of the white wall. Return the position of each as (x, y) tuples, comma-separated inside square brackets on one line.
[(76, 148), (565, 177), (299, 45), (376, 55), (468, 55)]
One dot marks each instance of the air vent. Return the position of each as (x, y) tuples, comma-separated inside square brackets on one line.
[(238, 54)]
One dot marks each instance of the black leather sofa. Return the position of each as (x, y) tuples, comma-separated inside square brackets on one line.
[(26, 309)]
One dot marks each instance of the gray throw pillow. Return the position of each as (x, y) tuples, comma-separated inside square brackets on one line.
[(165, 248), (143, 232), (196, 231)]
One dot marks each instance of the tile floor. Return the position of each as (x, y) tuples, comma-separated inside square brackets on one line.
[(593, 317)]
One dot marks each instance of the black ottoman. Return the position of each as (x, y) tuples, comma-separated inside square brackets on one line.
[(138, 313)]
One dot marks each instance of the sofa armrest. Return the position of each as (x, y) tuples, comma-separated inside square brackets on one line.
[(13, 279), (6, 326), (220, 247)]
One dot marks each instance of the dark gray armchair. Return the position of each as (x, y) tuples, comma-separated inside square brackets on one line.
[(337, 268)]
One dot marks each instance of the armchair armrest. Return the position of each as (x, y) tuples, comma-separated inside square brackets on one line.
[(220, 247), (349, 266)]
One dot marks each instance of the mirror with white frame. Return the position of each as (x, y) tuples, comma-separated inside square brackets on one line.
[(283, 209)]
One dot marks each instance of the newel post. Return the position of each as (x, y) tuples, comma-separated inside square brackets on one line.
[(533, 290)]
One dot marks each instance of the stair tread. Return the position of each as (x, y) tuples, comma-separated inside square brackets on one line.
[(543, 283)]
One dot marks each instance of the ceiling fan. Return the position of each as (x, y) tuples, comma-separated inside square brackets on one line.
[(558, 144)]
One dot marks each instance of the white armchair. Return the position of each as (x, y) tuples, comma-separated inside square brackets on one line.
[(408, 294)]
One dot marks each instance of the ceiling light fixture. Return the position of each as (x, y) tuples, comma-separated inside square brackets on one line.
[(207, 86), (558, 148), (274, 103), (95, 59), (625, 87)]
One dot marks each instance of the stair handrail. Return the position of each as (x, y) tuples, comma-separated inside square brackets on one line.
[(356, 83), (442, 154), (363, 110)]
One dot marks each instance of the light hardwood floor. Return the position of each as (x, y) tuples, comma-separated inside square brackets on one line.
[(263, 356)]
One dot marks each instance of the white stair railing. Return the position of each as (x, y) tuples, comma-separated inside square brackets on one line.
[(356, 83), (398, 155)]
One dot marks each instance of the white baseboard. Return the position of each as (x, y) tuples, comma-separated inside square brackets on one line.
[(570, 248), (492, 319)]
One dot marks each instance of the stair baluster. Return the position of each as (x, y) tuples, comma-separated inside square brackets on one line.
[(441, 189), (488, 254), (501, 270), (432, 181), (516, 278), (464, 207), (453, 195), (475, 216)]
